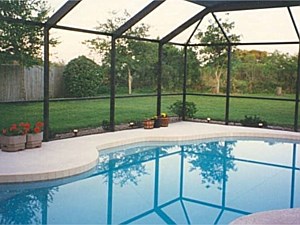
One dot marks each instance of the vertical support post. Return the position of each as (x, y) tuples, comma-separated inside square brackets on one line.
[(44, 207), (159, 76), (224, 180), (110, 191), (156, 179), (181, 172), (112, 83), (228, 84), (297, 94), (224, 155), (184, 84), (46, 84), (293, 176)]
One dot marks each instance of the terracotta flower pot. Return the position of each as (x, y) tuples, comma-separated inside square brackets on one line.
[(164, 121), (148, 124), (34, 140), (13, 143)]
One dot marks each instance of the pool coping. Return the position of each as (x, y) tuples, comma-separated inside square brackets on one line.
[(73, 156)]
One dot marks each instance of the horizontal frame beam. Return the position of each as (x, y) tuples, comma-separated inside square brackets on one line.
[(294, 23), (135, 19), (185, 25), (222, 6), (59, 14)]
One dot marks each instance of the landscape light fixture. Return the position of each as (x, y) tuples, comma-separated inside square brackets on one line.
[(260, 125), (75, 131), (208, 119)]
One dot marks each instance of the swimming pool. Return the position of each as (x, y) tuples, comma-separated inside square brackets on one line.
[(200, 182)]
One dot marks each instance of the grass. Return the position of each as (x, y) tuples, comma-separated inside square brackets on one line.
[(67, 115), (274, 112)]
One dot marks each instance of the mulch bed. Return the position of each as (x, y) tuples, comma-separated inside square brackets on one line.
[(99, 130)]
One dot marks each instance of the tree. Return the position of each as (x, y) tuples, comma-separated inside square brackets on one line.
[(144, 65), (173, 67), (129, 53), (248, 70), (136, 61), (260, 71), (215, 56), (19, 42), (282, 70), (193, 69), (82, 77)]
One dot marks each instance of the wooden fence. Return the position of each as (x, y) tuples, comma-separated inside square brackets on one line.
[(24, 84)]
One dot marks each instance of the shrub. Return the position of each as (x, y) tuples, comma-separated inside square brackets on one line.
[(177, 108), (253, 121), (82, 77)]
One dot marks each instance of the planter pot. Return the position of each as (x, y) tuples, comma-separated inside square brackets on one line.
[(149, 124), (164, 121), (34, 140), (13, 143)]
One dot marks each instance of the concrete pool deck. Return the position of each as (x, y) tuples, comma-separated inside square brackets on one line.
[(73, 156), (68, 157), (274, 217)]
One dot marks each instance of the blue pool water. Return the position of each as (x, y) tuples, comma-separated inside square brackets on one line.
[(202, 182)]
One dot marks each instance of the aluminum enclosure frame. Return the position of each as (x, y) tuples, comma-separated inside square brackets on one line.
[(210, 7)]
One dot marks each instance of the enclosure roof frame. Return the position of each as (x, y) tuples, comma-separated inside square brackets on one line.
[(210, 6), (135, 19), (62, 12)]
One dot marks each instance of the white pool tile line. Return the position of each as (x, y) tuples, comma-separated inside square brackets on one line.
[(63, 158)]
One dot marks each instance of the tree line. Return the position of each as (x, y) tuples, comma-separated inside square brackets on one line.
[(252, 71)]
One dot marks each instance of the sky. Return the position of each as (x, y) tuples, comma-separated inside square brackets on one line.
[(253, 25)]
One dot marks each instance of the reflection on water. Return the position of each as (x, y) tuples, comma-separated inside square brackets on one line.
[(25, 207), (212, 160), (199, 183), (127, 167)]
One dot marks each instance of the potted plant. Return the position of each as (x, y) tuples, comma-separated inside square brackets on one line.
[(34, 137), (164, 120), (148, 123), (14, 138)]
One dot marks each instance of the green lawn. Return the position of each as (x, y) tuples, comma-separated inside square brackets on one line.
[(67, 115)]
